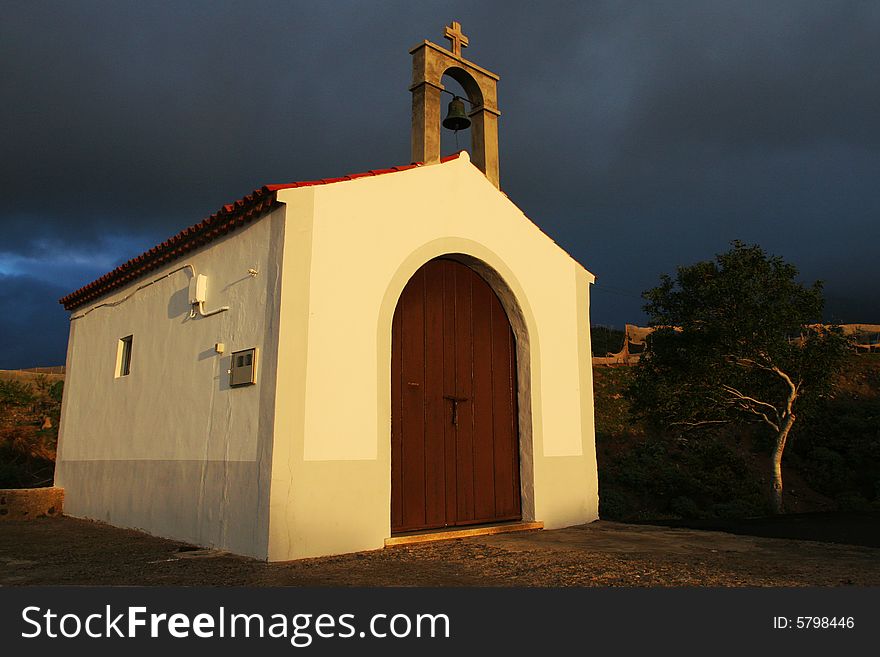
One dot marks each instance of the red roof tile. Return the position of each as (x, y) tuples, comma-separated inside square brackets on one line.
[(231, 216)]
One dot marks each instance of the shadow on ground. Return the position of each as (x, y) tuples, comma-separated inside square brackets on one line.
[(844, 528), (67, 551)]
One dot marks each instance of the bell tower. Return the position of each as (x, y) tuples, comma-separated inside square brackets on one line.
[(430, 64)]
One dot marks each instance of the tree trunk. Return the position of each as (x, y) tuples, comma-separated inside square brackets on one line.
[(776, 461)]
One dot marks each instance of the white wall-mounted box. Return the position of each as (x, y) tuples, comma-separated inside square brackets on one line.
[(198, 289), (244, 368)]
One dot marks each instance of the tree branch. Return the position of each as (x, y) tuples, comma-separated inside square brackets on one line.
[(745, 362), (746, 403), (698, 423), (794, 390), (745, 398), (766, 419)]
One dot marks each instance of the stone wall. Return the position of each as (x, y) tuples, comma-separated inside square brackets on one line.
[(27, 503)]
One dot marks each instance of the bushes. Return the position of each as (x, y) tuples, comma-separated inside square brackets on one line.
[(56, 390), (650, 475), (16, 393), (669, 477), (838, 453), (606, 340), (27, 451), (27, 457), (613, 504), (646, 474)]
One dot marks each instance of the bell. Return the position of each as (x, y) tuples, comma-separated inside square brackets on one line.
[(456, 118)]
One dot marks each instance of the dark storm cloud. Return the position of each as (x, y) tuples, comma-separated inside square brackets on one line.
[(795, 76), (639, 135), (34, 327), (136, 114), (701, 123)]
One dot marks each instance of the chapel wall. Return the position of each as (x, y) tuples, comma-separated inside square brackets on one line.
[(171, 447), (331, 492)]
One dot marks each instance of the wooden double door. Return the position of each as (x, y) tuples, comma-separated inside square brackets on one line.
[(454, 420)]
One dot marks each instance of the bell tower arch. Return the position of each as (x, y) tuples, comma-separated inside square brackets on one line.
[(430, 64)]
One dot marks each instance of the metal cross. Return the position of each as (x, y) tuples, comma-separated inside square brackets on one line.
[(454, 34), (455, 401)]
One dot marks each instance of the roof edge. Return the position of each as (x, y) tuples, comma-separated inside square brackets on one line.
[(228, 218)]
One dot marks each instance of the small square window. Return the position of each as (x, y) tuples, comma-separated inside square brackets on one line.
[(123, 357)]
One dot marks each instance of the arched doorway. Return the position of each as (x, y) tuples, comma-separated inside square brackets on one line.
[(454, 418)]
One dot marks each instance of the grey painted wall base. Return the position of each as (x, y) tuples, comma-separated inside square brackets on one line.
[(209, 503)]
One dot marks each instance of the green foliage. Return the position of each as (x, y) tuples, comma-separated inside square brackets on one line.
[(740, 322), (27, 452), (42, 383), (834, 455), (645, 475), (606, 340), (612, 409), (839, 452), (670, 477), (16, 393), (56, 390), (853, 501), (613, 504), (27, 457)]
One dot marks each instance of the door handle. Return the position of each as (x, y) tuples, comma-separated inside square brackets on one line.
[(455, 401)]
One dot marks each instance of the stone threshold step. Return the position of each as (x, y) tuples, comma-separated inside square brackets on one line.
[(447, 534)]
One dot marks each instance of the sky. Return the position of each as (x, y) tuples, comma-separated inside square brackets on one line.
[(640, 136)]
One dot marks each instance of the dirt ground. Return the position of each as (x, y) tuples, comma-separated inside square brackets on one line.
[(66, 551)]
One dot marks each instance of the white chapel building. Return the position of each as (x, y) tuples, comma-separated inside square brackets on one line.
[(322, 366)]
